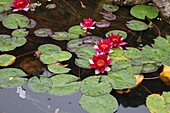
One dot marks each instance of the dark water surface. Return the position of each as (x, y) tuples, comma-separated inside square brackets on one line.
[(66, 14)]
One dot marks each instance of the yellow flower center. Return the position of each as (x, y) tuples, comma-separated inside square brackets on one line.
[(19, 3), (104, 46), (100, 62)]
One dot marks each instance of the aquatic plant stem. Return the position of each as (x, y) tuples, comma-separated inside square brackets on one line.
[(159, 32), (31, 52), (146, 89), (152, 78)]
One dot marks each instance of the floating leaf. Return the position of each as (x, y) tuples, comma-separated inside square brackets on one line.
[(8, 43), (82, 63), (121, 64), (77, 29), (100, 104), (64, 84), (132, 53), (148, 68), (20, 33), (60, 36), (54, 68), (102, 24), (13, 21), (6, 59), (49, 59), (43, 32), (11, 78), (110, 7), (51, 6), (63, 56), (117, 52), (93, 86), (32, 24), (142, 11), (156, 104), (136, 25), (120, 32), (2, 15), (122, 80), (42, 84), (5, 5), (49, 49), (109, 16)]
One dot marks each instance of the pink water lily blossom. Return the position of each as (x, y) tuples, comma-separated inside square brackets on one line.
[(20, 5), (117, 40), (88, 23), (100, 63), (104, 46)]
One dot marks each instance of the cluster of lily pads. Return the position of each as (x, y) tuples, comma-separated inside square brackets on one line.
[(126, 63)]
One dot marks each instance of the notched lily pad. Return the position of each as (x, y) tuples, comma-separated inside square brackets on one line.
[(6, 59), (49, 49), (136, 25), (64, 84), (20, 33), (42, 84), (82, 63), (120, 32), (43, 32), (11, 78), (93, 86), (77, 29), (100, 104), (57, 69), (15, 21), (60, 36)]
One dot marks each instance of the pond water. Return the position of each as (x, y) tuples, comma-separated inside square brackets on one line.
[(69, 13)]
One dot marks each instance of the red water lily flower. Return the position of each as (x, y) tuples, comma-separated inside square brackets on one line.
[(20, 5), (116, 40), (100, 63), (88, 23), (104, 46)]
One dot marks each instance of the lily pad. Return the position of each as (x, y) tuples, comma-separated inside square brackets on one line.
[(121, 64), (49, 59), (6, 59), (14, 21), (117, 52), (109, 16), (11, 78), (148, 68), (136, 25), (32, 24), (43, 32), (42, 84), (82, 63), (49, 49), (103, 23), (93, 86), (132, 53), (122, 80), (60, 36), (64, 84), (5, 5), (77, 29), (54, 68), (8, 43), (110, 7), (120, 32), (142, 11), (63, 56), (100, 104), (156, 104), (20, 33)]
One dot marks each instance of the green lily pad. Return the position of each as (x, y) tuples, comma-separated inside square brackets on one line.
[(85, 53), (63, 56), (82, 63), (6, 59), (148, 68), (72, 36), (110, 7), (42, 84), (8, 43), (156, 103), (77, 29), (132, 53), (117, 52), (100, 104), (14, 21), (64, 84), (142, 11), (11, 78), (136, 25), (54, 68), (120, 32), (49, 59), (49, 49), (60, 36), (51, 6), (93, 86), (5, 5), (121, 64), (20, 33), (122, 79), (43, 32)]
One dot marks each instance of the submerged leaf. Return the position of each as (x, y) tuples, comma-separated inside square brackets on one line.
[(6, 59), (100, 104), (51, 6), (43, 32)]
